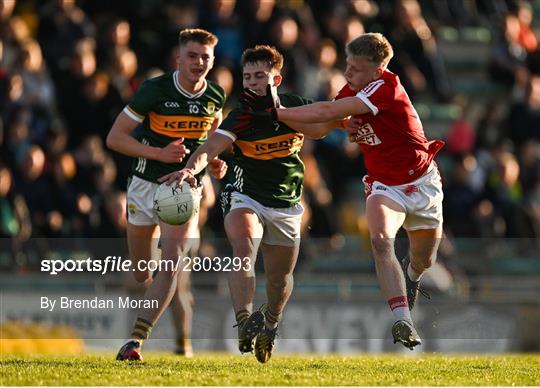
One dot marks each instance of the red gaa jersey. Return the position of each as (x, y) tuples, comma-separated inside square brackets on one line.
[(391, 136)]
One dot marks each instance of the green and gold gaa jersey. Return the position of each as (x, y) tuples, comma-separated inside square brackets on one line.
[(168, 112), (266, 164)]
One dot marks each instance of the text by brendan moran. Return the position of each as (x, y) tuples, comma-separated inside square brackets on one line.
[(122, 302)]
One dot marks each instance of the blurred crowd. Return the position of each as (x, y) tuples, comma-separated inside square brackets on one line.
[(67, 68)]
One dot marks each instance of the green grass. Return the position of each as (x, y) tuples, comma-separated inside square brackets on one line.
[(224, 369)]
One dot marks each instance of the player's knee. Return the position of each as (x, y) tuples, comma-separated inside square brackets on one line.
[(423, 262), (167, 275), (183, 284), (186, 299), (143, 276), (279, 281), (381, 245), (244, 250)]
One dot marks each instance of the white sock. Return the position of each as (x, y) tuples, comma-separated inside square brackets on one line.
[(413, 275), (400, 308), (402, 314)]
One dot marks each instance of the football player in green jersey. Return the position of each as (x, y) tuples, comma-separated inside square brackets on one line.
[(176, 112), (262, 204)]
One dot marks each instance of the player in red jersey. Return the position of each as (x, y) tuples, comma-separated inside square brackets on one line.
[(403, 186)]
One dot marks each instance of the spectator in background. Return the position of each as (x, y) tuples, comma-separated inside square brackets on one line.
[(504, 191), (88, 156), (419, 63), (17, 133), (319, 199), (285, 37), (15, 222), (112, 215), (63, 192), (14, 219), (70, 83), (118, 35), (101, 101), (529, 158), (315, 76), (526, 36), (452, 12), (56, 140), (261, 14), (6, 9), (353, 28), (34, 185), (223, 76), (15, 32), (222, 19), (123, 71), (3, 72), (461, 197), (489, 129), (38, 86), (523, 120), (529, 161), (508, 62), (160, 31), (62, 25), (461, 134)]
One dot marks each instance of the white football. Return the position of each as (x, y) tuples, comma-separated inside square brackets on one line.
[(175, 205)]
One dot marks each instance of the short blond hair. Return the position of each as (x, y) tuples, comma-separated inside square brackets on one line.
[(197, 35), (374, 46)]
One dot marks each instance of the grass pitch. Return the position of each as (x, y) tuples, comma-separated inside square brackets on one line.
[(225, 369)]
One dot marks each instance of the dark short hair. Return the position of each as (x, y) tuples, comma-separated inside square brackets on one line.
[(197, 35), (265, 54)]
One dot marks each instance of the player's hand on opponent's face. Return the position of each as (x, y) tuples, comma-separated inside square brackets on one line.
[(352, 126), (251, 101), (258, 112), (178, 177), (174, 152), (217, 168)]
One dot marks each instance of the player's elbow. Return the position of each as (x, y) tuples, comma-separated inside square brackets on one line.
[(111, 141)]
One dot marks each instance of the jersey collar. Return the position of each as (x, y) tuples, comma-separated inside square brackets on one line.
[(183, 91)]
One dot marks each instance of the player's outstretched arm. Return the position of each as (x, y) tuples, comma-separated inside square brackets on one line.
[(322, 112), (314, 130), (120, 140), (216, 144), (322, 117)]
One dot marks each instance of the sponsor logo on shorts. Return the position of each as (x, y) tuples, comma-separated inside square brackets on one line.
[(409, 190), (132, 209), (379, 187)]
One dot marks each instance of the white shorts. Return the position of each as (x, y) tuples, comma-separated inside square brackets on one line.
[(140, 202), (421, 199), (281, 225)]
